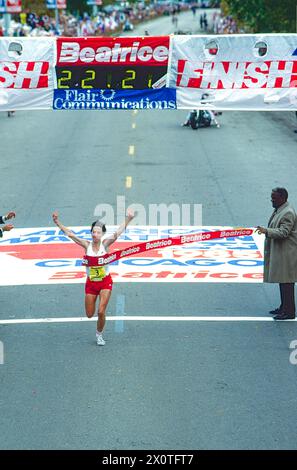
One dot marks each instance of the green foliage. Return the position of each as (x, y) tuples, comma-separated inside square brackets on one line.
[(36, 6), (225, 7), (263, 16), (39, 6)]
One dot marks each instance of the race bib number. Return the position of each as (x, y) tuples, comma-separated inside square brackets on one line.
[(97, 273)]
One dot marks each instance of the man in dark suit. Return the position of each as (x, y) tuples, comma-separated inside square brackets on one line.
[(3, 219), (280, 252)]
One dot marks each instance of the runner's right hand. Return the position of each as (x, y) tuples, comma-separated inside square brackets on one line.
[(55, 217)]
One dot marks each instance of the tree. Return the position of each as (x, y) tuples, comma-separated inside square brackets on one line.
[(36, 6), (39, 6), (263, 16)]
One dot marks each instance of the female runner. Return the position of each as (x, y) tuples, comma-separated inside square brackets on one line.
[(99, 281)]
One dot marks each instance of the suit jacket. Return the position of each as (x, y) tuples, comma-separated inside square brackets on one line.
[(280, 249), (1, 222)]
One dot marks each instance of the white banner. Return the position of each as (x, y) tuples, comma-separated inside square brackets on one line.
[(227, 72), (44, 255), (234, 72), (27, 73)]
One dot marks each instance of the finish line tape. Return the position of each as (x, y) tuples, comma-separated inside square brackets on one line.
[(163, 243)]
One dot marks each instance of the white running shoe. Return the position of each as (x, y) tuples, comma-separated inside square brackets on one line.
[(100, 340)]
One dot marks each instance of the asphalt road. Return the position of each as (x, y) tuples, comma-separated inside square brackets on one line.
[(155, 385)]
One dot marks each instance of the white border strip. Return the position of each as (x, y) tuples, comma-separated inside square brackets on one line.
[(137, 318)]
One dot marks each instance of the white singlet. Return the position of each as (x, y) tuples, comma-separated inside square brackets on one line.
[(94, 273)]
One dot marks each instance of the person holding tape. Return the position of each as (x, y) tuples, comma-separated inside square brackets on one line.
[(3, 219), (99, 281), (280, 252)]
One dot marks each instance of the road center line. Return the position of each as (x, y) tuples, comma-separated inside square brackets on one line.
[(128, 182)]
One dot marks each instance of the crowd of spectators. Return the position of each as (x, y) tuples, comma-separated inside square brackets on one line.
[(109, 19), (224, 24)]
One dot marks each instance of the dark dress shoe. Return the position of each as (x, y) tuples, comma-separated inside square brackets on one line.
[(284, 316), (275, 311)]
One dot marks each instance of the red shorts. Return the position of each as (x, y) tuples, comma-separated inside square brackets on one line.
[(94, 287)]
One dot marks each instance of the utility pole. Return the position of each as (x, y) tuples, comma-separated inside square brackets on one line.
[(6, 17), (57, 19)]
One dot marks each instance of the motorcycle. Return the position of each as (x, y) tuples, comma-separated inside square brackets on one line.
[(201, 118)]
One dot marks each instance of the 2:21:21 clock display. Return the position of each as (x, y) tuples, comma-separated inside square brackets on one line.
[(113, 77)]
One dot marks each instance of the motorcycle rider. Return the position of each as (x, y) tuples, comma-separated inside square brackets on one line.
[(200, 113)]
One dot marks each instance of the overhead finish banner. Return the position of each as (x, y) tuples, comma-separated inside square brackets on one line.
[(227, 72), (235, 72), (27, 73)]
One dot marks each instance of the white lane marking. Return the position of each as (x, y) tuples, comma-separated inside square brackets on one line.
[(136, 318), (133, 125), (120, 312)]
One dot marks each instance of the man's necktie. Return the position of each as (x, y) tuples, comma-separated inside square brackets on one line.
[(271, 218)]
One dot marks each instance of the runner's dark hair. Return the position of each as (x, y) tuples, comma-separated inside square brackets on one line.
[(98, 224)]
